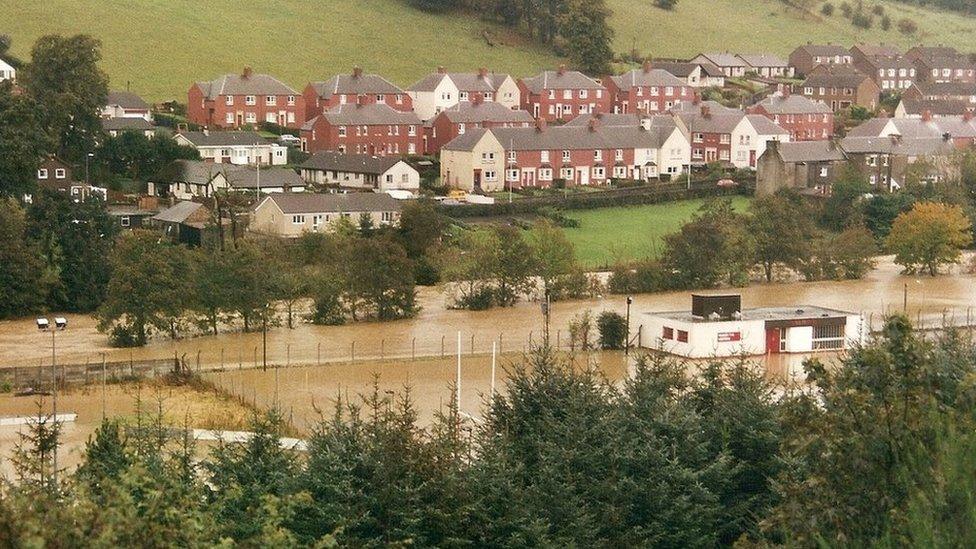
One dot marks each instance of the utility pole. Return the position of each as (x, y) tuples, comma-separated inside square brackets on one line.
[(54, 401), (627, 341), (264, 340), (457, 382), (545, 313)]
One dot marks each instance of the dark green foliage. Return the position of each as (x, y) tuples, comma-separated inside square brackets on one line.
[(435, 5), (23, 278), (75, 239), (782, 228), (666, 4), (132, 155), (713, 247), (641, 277), (827, 9), (64, 80), (907, 26), (613, 330), (881, 210), (23, 142)]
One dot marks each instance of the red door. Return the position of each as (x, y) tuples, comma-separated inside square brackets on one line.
[(752, 158), (772, 340)]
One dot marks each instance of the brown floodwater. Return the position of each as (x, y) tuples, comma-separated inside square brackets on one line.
[(435, 329)]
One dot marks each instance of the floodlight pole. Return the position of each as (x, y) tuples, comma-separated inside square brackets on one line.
[(54, 399)]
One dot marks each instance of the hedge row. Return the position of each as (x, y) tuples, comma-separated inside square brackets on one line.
[(630, 196)]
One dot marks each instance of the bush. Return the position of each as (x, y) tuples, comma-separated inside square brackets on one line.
[(862, 20), (613, 330), (846, 9), (907, 26), (124, 336), (827, 9), (666, 4), (885, 23), (558, 218), (644, 277), (425, 272), (878, 9)]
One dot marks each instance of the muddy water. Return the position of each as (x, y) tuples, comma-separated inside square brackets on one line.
[(435, 328), (306, 394)]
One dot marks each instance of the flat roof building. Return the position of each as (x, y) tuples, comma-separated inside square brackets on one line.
[(718, 326)]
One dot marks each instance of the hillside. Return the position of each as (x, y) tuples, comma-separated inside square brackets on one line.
[(160, 46)]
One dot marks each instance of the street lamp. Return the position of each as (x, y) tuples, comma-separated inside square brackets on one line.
[(88, 157), (630, 300), (60, 323)]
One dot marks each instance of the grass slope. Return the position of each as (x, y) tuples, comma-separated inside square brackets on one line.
[(745, 26), (161, 46), (608, 235)]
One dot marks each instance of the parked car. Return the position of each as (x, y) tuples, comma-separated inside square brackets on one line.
[(725, 183), (288, 139)]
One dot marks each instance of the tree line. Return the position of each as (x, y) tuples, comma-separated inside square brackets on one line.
[(876, 451)]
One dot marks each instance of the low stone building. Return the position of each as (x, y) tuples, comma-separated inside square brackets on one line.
[(291, 215)]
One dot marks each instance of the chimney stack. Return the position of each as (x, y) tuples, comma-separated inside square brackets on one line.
[(483, 73), (441, 70), (357, 71), (926, 116), (967, 116), (562, 70), (540, 125), (592, 124), (360, 101), (787, 90), (647, 66), (706, 111), (477, 99), (247, 72), (696, 100)]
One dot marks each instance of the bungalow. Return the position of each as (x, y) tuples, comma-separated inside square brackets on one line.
[(246, 99), (486, 160), (767, 65), (806, 58), (125, 104), (563, 95), (246, 179), (291, 215), (235, 147), (840, 87), (469, 115), (804, 118), (362, 128), (647, 90), (134, 216), (361, 172), (731, 64), (350, 88), (185, 179), (442, 90), (7, 71), (118, 126), (696, 75)]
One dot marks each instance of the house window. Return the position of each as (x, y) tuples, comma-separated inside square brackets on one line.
[(250, 100), (582, 94), (464, 96), (342, 131), (566, 156), (668, 333), (124, 221), (229, 118), (599, 94), (412, 148), (683, 336), (513, 175), (567, 94), (808, 90), (669, 91), (490, 175), (460, 128), (545, 174), (59, 173), (699, 137), (270, 117), (252, 118), (399, 98), (544, 156), (488, 157), (598, 155), (599, 172), (823, 171), (552, 94), (725, 139), (566, 173), (42, 173), (828, 337), (618, 154), (271, 100), (291, 100), (511, 156), (298, 219), (228, 100)]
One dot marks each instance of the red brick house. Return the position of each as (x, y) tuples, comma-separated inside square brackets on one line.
[(467, 116), (840, 87), (804, 118), (647, 90), (562, 95), (364, 128), (348, 88), (246, 99)]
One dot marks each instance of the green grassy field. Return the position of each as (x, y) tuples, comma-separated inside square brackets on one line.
[(610, 234), (160, 46)]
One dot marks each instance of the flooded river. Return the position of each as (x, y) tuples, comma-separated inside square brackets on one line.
[(433, 332)]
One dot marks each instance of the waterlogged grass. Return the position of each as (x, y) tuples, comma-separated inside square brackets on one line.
[(607, 235), (159, 47)]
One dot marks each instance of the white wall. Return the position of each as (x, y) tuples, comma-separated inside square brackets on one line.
[(703, 337), (401, 176)]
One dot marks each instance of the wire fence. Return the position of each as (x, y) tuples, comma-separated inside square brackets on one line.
[(199, 355)]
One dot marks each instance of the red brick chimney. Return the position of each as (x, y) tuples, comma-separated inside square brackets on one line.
[(247, 72), (357, 71), (540, 125), (592, 124), (706, 111), (562, 70), (360, 101), (696, 100), (483, 72), (647, 66), (441, 70), (787, 90), (477, 99), (967, 116), (926, 116)]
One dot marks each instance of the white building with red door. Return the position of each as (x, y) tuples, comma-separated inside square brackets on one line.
[(718, 326)]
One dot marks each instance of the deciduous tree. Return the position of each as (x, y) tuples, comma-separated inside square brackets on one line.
[(929, 236)]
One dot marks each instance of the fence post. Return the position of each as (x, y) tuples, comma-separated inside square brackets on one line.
[(131, 369), (221, 359), (501, 338), (558, 333), (530, 338), (472, 343), (442, 346), (240, 359), (413, 349), (318, 354), (198, 361), (353, 355), (382, 349), (255, 357)]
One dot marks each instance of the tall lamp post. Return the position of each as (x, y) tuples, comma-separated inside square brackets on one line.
[(60, 323), (630, 300)]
